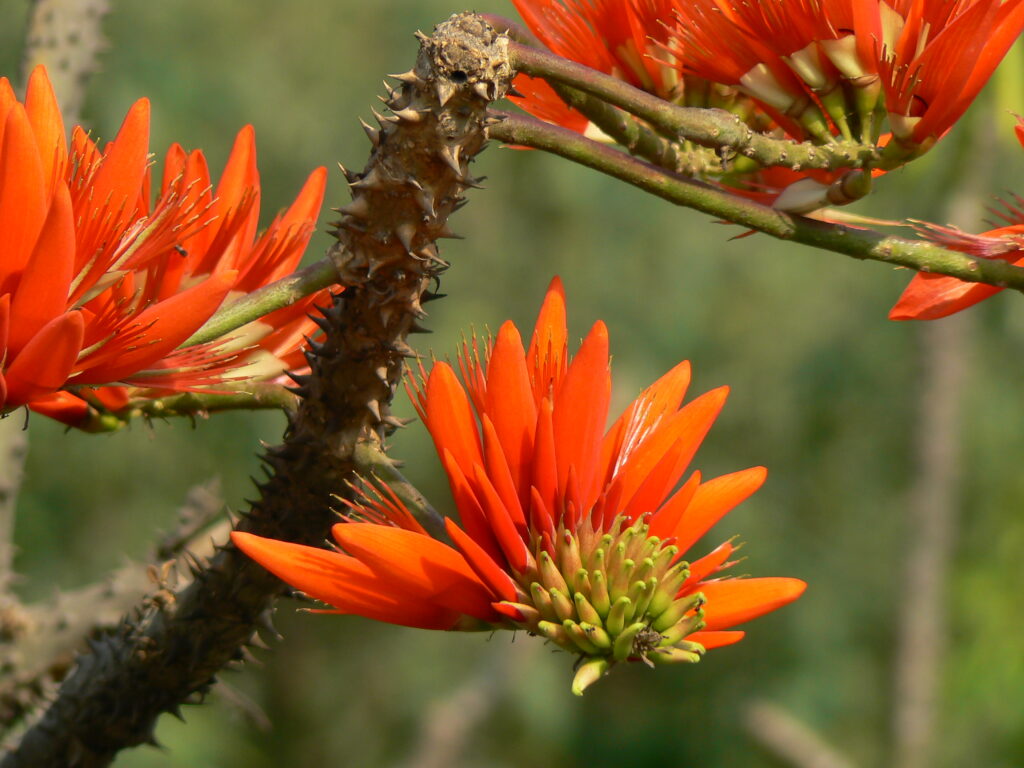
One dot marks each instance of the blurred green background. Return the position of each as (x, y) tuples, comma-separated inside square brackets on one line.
[(825, 391)]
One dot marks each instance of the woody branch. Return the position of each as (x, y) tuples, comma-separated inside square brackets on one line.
[(386, 253)]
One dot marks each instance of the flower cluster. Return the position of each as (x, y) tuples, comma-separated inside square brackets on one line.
[(896, 73), (99, 286), (566, 530)]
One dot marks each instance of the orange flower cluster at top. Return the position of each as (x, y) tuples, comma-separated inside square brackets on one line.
[(98, 286), (565, 530), (814, 68)]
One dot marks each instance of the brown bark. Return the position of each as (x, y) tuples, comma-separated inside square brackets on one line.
[(171, 651)]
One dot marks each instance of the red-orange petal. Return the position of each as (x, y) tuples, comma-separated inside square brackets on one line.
[(679, 435), (342, 581), (47, 124), (929, 297), (735, 601), (665, 521), (580, 410), (43, 289), (660, 399), (501, 523), (418, 564), (713, 500), (119, 179), (716, 639), (510, 405), (167, 324), (450, 419), (489, 571), (545, 358), (23, 202), (501, 476), (46, 361)]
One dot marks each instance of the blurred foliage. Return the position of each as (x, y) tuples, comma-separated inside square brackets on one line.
[(824, 392)]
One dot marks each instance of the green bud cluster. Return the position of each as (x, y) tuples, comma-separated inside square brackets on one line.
[(610, 596)]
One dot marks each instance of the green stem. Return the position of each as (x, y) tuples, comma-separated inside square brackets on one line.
[(631, 134), (714, 128), (376, 466), (255, 305), (859, 243), (258, 396)]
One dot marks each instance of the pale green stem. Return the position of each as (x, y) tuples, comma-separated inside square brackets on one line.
[(258, 396), (714, 128), (859, 243), (255, 305)]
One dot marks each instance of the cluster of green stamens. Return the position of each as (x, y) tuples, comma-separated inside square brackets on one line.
[(610, 596)]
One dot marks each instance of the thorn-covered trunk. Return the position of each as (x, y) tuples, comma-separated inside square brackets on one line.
[(386, 257)]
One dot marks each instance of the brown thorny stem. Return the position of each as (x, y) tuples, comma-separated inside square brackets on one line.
[(169, 651)]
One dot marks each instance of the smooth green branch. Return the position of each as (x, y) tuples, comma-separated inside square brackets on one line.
[(714, 128), (919, 255), (255, 305), (256, 396)]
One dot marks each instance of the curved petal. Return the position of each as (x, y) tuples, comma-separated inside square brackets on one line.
[(580, 412), (735, 601), (42, 292), (46, 361), (342, 581), (166, 325), (483, 564), (118, 182), (449, 418), (929, 297), (510, 405), (47, 124), (418, 565), (23, 203), (713, 500), (716, 639), (545, 358), (678, 438), (643, 415)]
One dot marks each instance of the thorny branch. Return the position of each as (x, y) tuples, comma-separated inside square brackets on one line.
[(386, 253), (66, 37), (37, 650)]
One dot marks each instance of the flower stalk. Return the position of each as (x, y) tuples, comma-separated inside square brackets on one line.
[(261, 302), (855, 242), (713, 128)]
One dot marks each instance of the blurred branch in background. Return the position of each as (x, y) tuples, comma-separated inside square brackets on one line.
[(790, 740), (448, 725), (13, 449), (66, 37), (38, 653), (935, 493)]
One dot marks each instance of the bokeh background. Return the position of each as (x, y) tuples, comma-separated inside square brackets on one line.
[(826, 392)]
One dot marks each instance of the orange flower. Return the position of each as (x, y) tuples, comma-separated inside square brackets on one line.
[(920, 61), (565, 530), (929, 296), (610, 36), (97, 286)]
